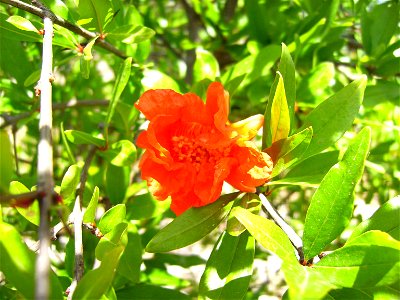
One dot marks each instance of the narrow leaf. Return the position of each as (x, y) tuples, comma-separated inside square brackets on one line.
[(332, 204), (191, 226), (22, 23), (121, 153), (90, 212), (229, 268), (80, 137), (371, 259), (69, 184), (17, 263), (111, 240), (334, 116), (6, 161), (386, 219), (286, 152), (112, 218), (279, 126)]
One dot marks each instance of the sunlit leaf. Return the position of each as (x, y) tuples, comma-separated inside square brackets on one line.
[(6, 162), (22, 23), (69, 184), (90, 211), (31, 213), (121, 153), (111, 218), (331, 206), (80, 137)]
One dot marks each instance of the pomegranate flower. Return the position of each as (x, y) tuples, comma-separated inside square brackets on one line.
[(192, 148)]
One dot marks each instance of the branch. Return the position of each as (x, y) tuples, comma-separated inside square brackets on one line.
[(14, 119), (78, 222), (21, 200), (39, 11), (45, 161), (293, 237)]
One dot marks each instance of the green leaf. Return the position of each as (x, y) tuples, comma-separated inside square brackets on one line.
[(381, 293), (334, 116), (205, 66), (111, 240), (79, 137), (268, 234), (131, 34), (86, 58), (288, 151), (311, 171), (154, 79), (331, 206), (287, 69), (69, 183), (229, 268), (277, 118), (144, 206), (99, 11), (371, 259), (386, 219), (249, 201), (121, 153), (90, 212), (96, 282), (116, 183), (17, 263), (120, 82), (10, 31), (31, 213), (111, 218), (6, 162), (145, 291), (131, 259), (22, 23), (191, 226)]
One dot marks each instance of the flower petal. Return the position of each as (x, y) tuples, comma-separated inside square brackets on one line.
[(218, 105), (247, 129)]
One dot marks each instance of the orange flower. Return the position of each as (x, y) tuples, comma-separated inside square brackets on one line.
[(192, 148)]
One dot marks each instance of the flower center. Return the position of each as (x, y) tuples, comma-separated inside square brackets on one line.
[(191, 151)]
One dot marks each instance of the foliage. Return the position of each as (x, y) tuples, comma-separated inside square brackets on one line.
[(325, 75)]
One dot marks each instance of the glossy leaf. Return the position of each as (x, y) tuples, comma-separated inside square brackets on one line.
[(386, 219), (99, 12), (96, 282), (31, 213), (121, 153), (111, 240), (331, 206), (205, 66), (120, 82), (69, 184), (17, 263), (229, 268), (371, 259), (267, 233), (131, 259), (79, 137), (288, 72), (277, 118), (288, 151), (22, 23), (111, 218), (6, 162), (12, 32), (334, 116), (311, 171), (191, 226), (144, 206), (381, 292), (155, 79), (90, 212), (131, 34), (116, 183), (252, 203)]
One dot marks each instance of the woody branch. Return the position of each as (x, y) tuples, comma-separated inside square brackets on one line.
[(45, 159)]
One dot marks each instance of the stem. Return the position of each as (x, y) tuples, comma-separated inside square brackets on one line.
[(45, 161), (78, 223), (14, 119), (19, 199), (293, 237), (39, 11)]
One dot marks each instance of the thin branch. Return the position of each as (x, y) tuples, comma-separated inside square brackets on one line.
[(14, 119), (20, 200), (38, 11), (45, 161), (293, 237), (78, 223)]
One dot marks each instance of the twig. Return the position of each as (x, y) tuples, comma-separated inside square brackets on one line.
[(293, 237), (20, 199), (45, 160), (64, 23), (14, 119), (78, 222)]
